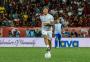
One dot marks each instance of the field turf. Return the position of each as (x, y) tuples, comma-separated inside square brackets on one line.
[(37, 55)]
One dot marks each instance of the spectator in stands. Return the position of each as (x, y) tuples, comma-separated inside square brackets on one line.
[(80, 21), (38, 22), (70, 13), (5, 22), (37, 33), (2, 9), (25, 18), (7, 7), (32, 33), (61, 11), (33, 23), (27, 32), (15, 32), (37, 10), (53, 12), (84, 32), (67, 33), (80, 11), (10, 34), (15, 17), (74, 33), (66, 23)]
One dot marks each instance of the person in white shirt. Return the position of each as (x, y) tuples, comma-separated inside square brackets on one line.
[(58, 33), (47, 23)]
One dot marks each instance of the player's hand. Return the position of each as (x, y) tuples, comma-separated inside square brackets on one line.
[(46, 23)]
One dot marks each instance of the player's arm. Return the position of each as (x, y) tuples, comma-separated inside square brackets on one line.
[(51, 22), (48, 24), (62, 28)]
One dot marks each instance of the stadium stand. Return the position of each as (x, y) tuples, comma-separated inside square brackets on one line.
[(25, 13)]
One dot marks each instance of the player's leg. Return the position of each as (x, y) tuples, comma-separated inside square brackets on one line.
[(50, 39), (60, 36), (46, 41), (56, 40), (44, 33), (50, 43)]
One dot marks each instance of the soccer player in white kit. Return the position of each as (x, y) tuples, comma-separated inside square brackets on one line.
[(47, 23)]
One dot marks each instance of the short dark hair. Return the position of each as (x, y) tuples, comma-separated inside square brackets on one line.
[(45, 7)]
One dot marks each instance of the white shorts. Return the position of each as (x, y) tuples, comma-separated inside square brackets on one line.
[(48, 33)]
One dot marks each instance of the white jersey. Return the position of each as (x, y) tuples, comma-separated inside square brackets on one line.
[(58, 28), (46, 19)]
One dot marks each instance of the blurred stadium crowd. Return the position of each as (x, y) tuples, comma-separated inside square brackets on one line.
[(19, 13)]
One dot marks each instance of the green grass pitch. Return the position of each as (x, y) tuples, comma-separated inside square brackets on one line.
[(37, 55)]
